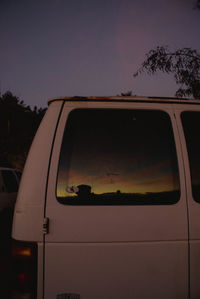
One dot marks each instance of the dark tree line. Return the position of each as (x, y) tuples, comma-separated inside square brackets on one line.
[(18, 125)]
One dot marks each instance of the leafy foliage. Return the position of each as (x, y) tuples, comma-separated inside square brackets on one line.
[(197, 4), (183, 63), (18, 124)]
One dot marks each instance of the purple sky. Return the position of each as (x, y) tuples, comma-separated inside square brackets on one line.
[(53, 48)]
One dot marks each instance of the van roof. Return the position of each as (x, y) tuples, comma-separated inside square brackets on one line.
[(126, 99)]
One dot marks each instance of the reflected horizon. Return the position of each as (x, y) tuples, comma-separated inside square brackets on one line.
[(130, 151)]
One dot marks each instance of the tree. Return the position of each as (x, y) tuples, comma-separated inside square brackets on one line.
[(18, 124), (183, 63), (197, 4)]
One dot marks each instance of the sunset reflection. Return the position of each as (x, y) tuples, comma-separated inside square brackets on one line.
[(116, 153)]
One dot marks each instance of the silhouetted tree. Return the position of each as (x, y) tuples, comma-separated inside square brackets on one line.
[(197, 4), (183, 63), (18, 124)]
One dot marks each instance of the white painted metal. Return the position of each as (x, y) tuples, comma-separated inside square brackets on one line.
[(117, 270), (29, 209)]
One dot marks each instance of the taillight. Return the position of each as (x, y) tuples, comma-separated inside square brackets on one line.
[(24, 270)]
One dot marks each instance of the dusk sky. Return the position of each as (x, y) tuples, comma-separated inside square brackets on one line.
[(91, 48)]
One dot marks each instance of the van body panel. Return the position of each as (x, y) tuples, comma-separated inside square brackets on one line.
[(123, 224), (33, 217), (117, 270), (29, 209)]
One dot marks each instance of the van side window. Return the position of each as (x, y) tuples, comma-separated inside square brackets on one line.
[(191, 126), (113, 156), (10, 181)]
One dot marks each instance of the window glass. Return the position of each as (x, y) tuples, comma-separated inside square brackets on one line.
[(112, 156), (191, 126), (10, 181)]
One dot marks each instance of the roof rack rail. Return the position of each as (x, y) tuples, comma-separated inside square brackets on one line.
[(126, 99)]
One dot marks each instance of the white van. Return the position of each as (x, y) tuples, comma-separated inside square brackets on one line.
[(109, 202)]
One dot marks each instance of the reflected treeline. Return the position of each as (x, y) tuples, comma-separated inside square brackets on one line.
[(84, 196)]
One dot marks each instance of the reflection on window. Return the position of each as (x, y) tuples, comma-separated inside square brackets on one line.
[(191, 125), (112, 156)]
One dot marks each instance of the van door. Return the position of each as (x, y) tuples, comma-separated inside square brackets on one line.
[(116, 204), (190, 118)]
